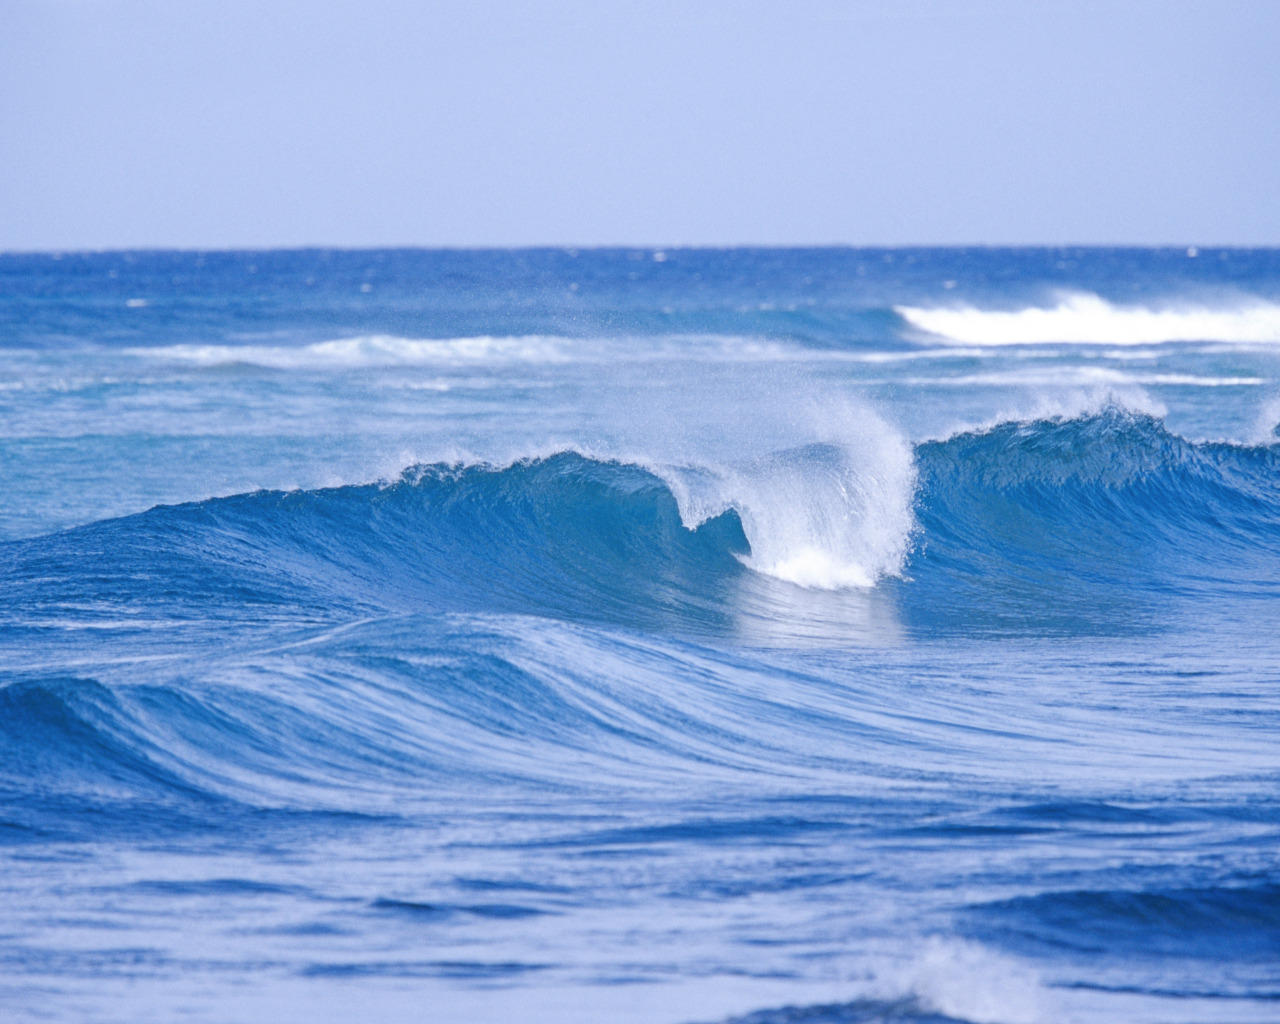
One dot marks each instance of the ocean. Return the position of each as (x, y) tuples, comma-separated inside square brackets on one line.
[(643, 636)]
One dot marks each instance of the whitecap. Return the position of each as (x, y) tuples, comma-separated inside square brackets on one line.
[(831, 515), (1084, 318), (367, 351)]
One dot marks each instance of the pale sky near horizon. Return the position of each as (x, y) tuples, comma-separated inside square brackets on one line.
[(224, 123)]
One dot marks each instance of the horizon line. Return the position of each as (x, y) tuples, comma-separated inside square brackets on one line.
[(1191, 248)]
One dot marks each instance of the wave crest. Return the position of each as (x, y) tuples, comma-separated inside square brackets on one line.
[(826, 516)]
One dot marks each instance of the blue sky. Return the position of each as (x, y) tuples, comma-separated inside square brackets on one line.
[(215, 123)]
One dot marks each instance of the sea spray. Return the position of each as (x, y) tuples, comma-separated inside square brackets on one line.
[(828, 514)]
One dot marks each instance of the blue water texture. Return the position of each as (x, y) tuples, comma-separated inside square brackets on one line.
[(669, 636)]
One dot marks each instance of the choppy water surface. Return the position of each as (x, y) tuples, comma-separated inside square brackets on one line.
[(656, 636)]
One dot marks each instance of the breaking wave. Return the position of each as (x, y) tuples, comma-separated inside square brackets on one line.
[(1035, 518), (1088, 319)]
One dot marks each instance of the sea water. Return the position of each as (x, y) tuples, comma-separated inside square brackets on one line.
[(664, 636)]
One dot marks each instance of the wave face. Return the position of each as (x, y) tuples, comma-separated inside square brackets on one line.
[(1094, 519), (640, 636), (563, 536), (1089, 519)]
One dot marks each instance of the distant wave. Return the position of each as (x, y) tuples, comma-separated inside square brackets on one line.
[(1082, 376), (367, 351), (383, 350), (1088, 319)]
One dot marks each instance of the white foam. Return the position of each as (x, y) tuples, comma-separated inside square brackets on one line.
[(915, 354), (969, 982), (1083, 318), (380, 350), (830, 515), (369, 351), (1267, 422)]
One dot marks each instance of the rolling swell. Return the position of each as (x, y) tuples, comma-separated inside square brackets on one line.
[(1089, 524), (563, 536), (301, 650), (1242, 921), (273, 648), (1073, 525)]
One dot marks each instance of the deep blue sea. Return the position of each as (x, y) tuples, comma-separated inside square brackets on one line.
[(640, 636)]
